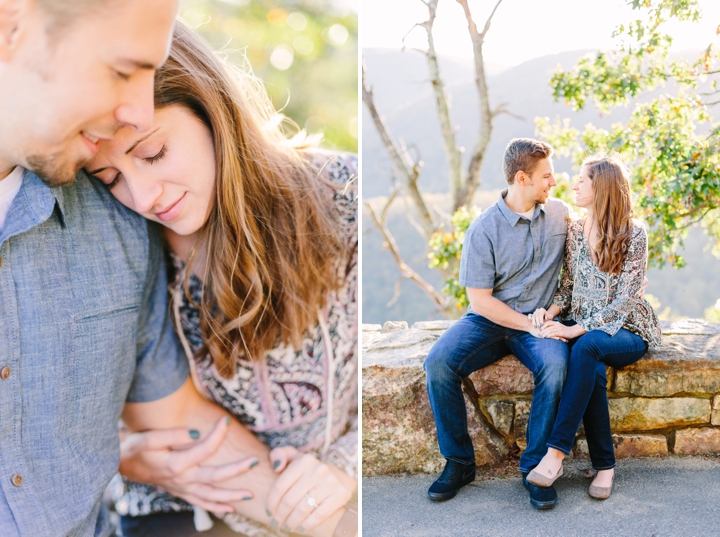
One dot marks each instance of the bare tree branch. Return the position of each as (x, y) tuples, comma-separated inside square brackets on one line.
[(452, 151), (489, 20), (396, 295), (502, 109), (408, 169), (405, 270), (472, 178)]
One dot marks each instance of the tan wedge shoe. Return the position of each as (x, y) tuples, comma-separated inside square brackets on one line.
[(536, 478), (601, 493)]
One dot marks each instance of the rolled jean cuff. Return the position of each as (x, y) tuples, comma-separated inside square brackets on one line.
[(604, 468), (460, 461), (566, 451)]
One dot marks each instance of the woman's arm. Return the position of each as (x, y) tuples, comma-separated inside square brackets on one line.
[(186, 408), (612, 317), (563, 296)]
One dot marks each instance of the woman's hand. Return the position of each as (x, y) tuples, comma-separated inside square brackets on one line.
[(307, 492), (556, 330), (539, 317), (171, 459)]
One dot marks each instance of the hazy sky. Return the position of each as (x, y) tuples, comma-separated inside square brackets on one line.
[(521, 29)]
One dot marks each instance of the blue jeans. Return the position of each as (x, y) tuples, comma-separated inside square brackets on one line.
[(584, 396), (472, 343), (175, 524)]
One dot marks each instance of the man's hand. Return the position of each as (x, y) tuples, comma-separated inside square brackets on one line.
[(172, 459)]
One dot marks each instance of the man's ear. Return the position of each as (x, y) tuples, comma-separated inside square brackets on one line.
[(519, 176), (11, 22)]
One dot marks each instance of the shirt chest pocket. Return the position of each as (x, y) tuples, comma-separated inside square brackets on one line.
[(102, 361)]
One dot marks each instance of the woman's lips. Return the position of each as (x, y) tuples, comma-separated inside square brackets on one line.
[(173, 211)]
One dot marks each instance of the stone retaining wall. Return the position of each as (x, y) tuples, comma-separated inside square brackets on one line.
[(668, 402)]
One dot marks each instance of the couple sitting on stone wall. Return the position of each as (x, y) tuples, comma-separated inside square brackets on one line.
[(565, 335)]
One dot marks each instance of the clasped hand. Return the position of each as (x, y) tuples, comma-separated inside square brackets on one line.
[(172, 459), (306, 493)]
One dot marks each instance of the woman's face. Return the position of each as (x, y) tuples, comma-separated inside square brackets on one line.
[(166, 174), (583, 188)]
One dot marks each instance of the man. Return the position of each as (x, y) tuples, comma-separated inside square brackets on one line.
[(510, 264), (84, 324)]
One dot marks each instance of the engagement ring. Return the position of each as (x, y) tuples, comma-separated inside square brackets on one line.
[(311, 501)]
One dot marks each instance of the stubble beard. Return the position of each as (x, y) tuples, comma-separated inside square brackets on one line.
[(54, 170)]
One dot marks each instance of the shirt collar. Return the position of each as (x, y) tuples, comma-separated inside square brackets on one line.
[(42, 199), (511, 216)]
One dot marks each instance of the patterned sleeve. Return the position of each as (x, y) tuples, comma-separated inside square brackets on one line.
[(612, 317), (341, 170), (563, 296), (343, 453)]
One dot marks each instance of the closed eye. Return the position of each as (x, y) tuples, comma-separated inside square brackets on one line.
[(114, 181), (160, 154)]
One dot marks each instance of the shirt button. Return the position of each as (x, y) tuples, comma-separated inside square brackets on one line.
[(17, 480), (4, 373), (537, 249)]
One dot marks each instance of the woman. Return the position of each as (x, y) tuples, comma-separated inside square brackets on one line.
[(262, 234), (604, 323)]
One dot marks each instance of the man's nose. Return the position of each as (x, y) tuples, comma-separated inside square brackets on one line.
[(137, 107)]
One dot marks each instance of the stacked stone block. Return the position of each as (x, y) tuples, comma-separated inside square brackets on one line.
[(667, 403)]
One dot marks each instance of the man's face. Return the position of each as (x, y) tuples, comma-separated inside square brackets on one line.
[(61, 93), (540, 182)]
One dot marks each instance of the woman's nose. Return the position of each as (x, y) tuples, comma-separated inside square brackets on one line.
[(145, 194)]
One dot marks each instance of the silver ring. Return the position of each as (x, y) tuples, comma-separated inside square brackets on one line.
[(311, 501)]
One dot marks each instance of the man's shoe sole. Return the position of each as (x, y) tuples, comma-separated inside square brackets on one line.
[(442, 496), (542, 505)]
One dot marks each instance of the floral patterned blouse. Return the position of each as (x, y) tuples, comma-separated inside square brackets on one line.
[(285, 399), (598, 300)]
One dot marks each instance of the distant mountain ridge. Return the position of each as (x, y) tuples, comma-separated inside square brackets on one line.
[(404, 96)]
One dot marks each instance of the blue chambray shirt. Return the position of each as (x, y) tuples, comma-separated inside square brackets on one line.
[(519, 259), (84, 328)]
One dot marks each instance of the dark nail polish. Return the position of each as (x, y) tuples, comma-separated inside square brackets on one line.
[(247, 497), (273, 523), (276, 464), (194, 434), (253, 464), (268, 512), (227, 420), (301, 529)]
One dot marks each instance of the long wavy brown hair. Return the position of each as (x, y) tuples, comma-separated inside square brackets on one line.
[(272, 239), (613, 209)]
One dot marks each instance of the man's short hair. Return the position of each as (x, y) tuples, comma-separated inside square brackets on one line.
[(63, 13), (523, 154)]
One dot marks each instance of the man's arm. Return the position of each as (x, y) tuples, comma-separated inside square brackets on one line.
[(483, 303), (186, 408)]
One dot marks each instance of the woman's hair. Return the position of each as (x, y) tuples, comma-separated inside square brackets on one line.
[(272, 238), (613, 210)]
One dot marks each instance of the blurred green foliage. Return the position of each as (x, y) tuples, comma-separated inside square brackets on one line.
[(305, 51), (670, 141), (446, 250)]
